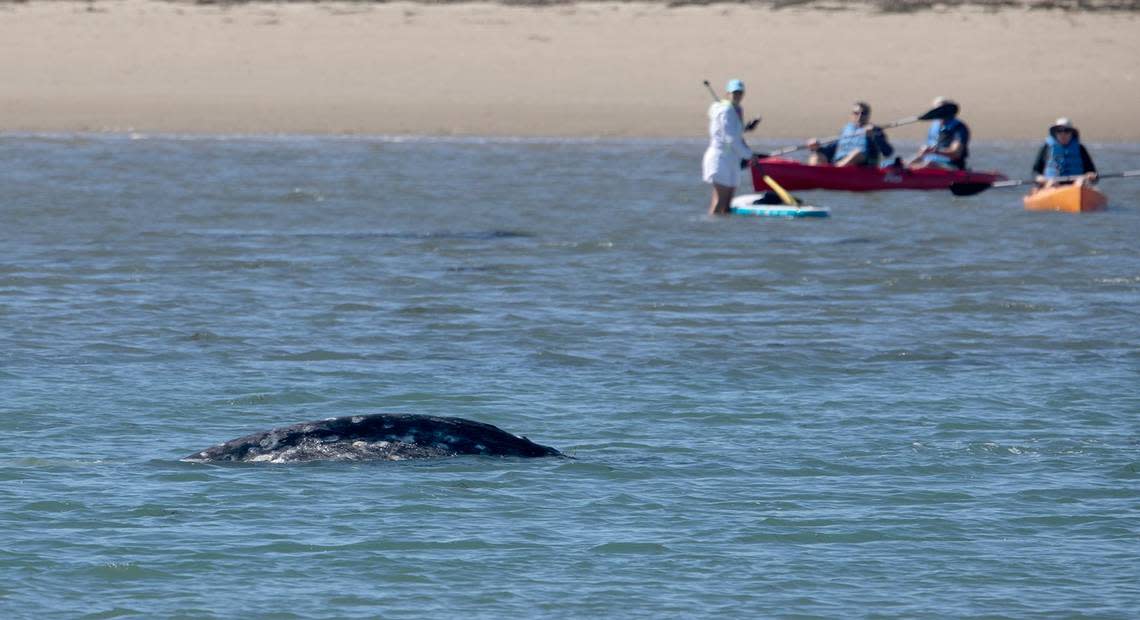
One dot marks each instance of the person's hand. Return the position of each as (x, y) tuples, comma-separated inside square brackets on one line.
[(813, 145), (1091, 176)]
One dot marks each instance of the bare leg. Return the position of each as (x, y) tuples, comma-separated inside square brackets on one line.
[(919, 164), (918, 161), (856, 158), (721, 199)]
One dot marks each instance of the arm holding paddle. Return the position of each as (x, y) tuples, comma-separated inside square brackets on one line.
[(734, 140), (879, 142), (1039, 165), (1041, 180), (1087, 162), (821, 153), (952, 152)]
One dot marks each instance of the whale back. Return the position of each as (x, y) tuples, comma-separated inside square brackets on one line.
[(382, 436)]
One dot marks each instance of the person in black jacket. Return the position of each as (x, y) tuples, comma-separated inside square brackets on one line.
[(1063, 159)]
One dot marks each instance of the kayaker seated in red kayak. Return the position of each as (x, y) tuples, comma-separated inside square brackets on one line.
[(947, 142), (860, 143), (1063, 159)]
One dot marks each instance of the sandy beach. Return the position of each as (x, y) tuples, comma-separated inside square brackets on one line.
[(623, 70)]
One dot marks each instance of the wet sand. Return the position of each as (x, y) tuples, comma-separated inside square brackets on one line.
[(571, 70)]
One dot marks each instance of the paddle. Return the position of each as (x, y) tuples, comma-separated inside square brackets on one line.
[(780, 191), (942, 112), (969, 189), (786, 197)]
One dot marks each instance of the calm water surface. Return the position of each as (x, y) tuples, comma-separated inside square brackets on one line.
[(923, 406)]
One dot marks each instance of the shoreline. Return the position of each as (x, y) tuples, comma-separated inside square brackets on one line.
[(591, 70)]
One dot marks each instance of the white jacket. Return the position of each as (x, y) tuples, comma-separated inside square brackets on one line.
[(721, 163), (726, 130)]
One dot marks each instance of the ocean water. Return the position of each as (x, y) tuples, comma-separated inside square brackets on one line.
[(924, 406)]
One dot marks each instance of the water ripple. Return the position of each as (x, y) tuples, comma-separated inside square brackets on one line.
[(923, 406)]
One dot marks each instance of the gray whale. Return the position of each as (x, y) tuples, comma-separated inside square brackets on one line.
[(381, 436)]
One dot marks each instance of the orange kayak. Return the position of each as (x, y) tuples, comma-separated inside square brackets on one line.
[(1069, 198)]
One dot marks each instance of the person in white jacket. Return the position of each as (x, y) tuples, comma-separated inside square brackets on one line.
[(721, 166)]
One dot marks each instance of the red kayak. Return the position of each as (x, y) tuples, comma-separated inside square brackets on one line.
[(794, 175)]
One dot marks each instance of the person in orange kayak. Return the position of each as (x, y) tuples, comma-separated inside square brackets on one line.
[(727, 152), (947, 142), (860, 143), (1062, 156)]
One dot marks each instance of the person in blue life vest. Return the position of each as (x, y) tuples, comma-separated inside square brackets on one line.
[(727, 150), (860, 143), (1063, 155), (947, 142)]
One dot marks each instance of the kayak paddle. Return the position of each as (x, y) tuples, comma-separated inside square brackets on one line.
[(969, 189), (942, 112)]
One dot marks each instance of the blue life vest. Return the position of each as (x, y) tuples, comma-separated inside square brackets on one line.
[(851, 139), (942, 134), (1062, 160)]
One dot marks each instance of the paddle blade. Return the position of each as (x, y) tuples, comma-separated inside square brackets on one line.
[(942, 112), (968, 189), (781, 192)]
